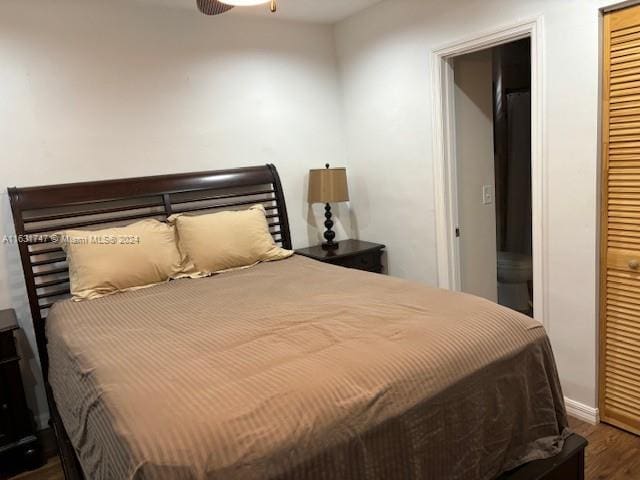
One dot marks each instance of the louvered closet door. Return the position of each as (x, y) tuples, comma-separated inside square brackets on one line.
[(620, 283)]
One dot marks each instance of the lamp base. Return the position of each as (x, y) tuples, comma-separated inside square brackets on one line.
[(330, 245), (329, 234)]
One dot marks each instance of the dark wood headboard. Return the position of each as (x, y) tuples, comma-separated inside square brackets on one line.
[(38, 212)]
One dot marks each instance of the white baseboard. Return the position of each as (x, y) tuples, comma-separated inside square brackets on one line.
[(582, 412), (42, 421)]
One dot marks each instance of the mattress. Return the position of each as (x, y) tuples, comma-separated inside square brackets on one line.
[(302, 370)]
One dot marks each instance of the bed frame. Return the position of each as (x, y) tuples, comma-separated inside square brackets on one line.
[(38, 212)]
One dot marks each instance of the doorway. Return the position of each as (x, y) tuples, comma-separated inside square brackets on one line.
[(492, 105), (444, 155)]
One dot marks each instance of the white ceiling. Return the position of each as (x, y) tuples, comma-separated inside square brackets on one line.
[(317, 11)]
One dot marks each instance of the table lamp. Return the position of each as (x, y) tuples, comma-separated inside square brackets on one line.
[(328, 185)]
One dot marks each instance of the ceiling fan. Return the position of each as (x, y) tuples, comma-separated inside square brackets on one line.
[(216, 7)]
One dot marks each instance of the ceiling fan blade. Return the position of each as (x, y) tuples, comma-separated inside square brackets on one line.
[(212, 7)]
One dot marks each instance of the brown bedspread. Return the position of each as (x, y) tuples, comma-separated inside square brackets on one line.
[(301, 370)]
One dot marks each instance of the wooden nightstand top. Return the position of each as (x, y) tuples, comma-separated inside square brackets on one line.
[(8, 320), (348, 248)]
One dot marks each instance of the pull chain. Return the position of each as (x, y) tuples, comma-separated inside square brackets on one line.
[(274, 7)]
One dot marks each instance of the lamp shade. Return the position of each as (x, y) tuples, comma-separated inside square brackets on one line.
[(328, 185)]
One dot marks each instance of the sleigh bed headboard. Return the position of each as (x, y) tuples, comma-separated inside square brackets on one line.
[(38, 212)]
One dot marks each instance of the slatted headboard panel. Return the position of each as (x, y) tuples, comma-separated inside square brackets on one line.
[(38, 212)]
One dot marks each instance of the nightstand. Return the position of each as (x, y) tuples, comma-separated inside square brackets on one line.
[(19, 447), (351, 254)]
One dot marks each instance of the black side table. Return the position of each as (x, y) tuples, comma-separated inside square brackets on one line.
[(19, 447), (351, 254)]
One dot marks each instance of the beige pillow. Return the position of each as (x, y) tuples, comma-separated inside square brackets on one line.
[(103, 262), (227, 240)]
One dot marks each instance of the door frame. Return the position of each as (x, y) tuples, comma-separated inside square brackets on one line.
[(444, 154)]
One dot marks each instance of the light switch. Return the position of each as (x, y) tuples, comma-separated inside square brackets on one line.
[(487, 194)]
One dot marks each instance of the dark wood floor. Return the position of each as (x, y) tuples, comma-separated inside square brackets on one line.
[(611, 455), (51, 471)]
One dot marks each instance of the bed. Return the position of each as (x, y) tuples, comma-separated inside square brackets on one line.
[(287, 370)]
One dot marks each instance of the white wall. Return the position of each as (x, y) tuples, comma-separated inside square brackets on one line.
[(473, 98), (94, 90), (384, 54), (97, 89)]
